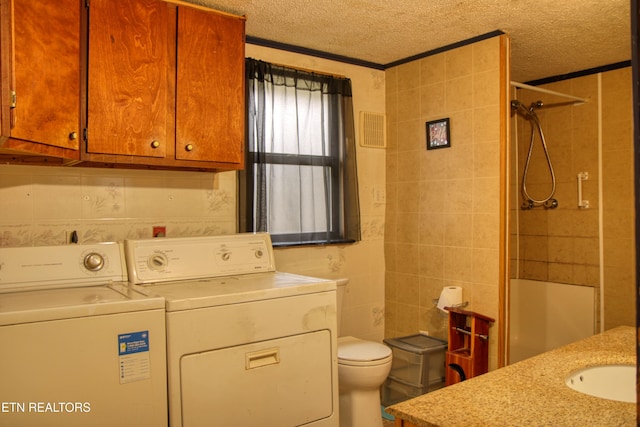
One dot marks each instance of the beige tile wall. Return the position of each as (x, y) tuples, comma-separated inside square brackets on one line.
[(42, 206), (559, 245), (563, 245), (618, 199), (443, 206)]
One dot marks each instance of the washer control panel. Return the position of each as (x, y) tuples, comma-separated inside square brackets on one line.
[(169, 259), (47, 266)]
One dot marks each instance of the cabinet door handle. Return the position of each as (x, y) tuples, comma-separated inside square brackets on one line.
[(73, 136), (155, 144), (188, 147)]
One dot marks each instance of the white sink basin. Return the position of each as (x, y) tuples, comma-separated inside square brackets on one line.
[(613, 382)]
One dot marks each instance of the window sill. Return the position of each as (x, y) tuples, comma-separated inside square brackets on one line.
[(284, 245)]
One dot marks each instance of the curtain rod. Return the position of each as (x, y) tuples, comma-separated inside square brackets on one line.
[(551, 92), (308, 70)]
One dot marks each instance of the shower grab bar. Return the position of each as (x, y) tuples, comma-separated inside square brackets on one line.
[(582, 204)]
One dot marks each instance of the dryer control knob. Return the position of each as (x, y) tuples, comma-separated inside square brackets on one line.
[(158, 262), (94, 261)]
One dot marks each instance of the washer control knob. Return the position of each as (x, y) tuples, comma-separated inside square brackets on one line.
[(94, 261), (259, 253), (226, 256)]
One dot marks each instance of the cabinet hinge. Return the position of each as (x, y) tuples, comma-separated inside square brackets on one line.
[(12, 99), (85, 135), (86, 3)]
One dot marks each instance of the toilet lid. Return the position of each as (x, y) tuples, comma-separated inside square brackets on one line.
[(362, 351)]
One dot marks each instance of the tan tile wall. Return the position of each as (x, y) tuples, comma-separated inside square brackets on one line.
[(563, 245), (42, 206), (443, 210), (560, 245), (618, 199)]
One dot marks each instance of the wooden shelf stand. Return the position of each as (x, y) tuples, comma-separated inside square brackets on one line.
[(468, 350)]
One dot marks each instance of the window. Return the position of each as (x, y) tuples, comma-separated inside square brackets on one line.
[(299, 182)]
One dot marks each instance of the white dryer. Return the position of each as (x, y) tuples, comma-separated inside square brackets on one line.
[(246, 345), (79, 346)]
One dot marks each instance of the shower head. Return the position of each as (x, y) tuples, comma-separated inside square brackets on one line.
[(537, 104), (528, 112), (517, 105)]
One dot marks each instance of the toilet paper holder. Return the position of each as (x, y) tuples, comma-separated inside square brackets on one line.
[(461, 305)]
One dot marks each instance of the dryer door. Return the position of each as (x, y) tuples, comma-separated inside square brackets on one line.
[(282, 382)]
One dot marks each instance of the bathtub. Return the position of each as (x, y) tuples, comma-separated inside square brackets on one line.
[(547, 315)]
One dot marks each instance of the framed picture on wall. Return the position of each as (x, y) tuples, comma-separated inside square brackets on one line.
[(438, 135)]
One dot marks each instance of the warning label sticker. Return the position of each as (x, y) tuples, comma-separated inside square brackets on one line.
[(133, 351)]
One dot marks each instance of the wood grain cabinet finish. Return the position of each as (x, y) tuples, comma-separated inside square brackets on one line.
[(124, 83), (129, 87), (166, 85), (40, 68), (210, 87)]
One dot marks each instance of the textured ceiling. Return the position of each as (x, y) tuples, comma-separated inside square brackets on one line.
[(548, 37)]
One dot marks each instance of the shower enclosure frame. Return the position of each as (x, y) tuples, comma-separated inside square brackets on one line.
[(573, 100)]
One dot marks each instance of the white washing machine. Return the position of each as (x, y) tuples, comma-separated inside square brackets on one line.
[(79, 346), (246, 345)]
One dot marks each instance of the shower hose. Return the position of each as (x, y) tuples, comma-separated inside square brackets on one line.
[(530, 202)]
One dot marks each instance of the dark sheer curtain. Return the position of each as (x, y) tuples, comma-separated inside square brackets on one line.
[(300, 178)]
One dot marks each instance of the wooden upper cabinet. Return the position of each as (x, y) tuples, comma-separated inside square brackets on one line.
[(128, 89), (210, 86), (136, 82), (41, 76), (166, 85)]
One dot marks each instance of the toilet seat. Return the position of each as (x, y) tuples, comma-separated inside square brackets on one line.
[(356, 352)]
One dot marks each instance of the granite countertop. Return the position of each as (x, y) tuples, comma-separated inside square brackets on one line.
[(531, 392)]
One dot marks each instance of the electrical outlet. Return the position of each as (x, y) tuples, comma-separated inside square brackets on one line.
[(159, 231), (379, 196)]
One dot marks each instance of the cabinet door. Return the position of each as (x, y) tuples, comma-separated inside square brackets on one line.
[(128, 86), (210, 86), (45, 73)]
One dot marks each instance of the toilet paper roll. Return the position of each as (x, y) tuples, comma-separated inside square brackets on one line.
[(450, 296)]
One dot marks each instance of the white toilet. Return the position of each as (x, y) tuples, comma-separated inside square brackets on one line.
[(362, 368)]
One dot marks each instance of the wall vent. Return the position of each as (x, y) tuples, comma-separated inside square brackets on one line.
[(373, 132)]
